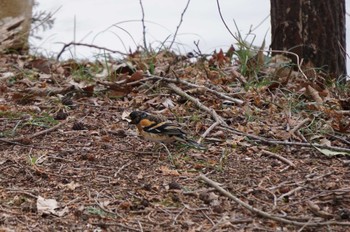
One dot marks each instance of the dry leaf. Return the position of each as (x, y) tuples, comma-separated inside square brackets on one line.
[(50, 206), (168, 103), (125, 116), (168, 172), (315, 95), (72, 185), (325, 141)]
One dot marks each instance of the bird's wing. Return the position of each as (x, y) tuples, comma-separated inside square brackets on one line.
[(167, 128)]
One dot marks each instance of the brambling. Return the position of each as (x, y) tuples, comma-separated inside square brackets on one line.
[(155, 129)]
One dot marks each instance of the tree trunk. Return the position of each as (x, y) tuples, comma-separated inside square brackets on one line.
[(15, 20), (314, 30)]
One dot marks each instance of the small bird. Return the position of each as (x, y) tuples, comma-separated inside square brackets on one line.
[(155, 129)]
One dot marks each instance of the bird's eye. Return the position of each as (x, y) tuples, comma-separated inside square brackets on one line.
[(144, 114)]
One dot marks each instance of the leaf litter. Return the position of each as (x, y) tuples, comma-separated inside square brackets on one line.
[(70, 161)]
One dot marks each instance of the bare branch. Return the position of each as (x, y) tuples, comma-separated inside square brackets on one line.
[(178, 26), (87, 45), (265, 214), (143, 26)]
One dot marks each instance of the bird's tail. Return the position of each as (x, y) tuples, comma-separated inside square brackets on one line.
[(194, 144)]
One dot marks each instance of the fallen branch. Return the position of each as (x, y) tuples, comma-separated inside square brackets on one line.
[(189, 84), (212, 112), (44, 131), (265, 214), (15, 141), (279, 142), (317, 211), (287, 161), (290, 192), (208, 131), (297, 127)]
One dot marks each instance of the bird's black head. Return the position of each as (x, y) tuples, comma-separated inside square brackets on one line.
[(137, 116)]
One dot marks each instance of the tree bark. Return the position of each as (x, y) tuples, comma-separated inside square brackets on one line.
[(314, 30), (15, 21)]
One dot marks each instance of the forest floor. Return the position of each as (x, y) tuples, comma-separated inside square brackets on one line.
[(277, 146)]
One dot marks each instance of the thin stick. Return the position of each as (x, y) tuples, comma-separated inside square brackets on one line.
[(115, 224), (167, 150), (177, 215), (287, 161), (265, 214), (178, 26), (278, 142), (103, 208), (297, 127), (189, 84), (223, 21), (122, 167), (208, 131), (87, 45), (143, 27), (35, 134), (289, 193), (212, 112), (47, 130), (140, 225)]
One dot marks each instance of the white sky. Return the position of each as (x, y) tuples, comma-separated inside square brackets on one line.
[(91, 22)]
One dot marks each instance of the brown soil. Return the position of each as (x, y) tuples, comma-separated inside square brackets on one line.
[(105, 178)]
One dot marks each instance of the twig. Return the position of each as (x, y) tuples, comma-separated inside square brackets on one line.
[(143, 27), (290, 192), (122, 167), (223, 220), (299, 63), (23, 192), (178, 26), (167, 150), (297, 127), (15, 140), (115, 224), (47, 130), (265, 214), (205, 215), (87, 45), (177, 215), (308, 179), (140, 225), (316, 210), (287, 161), (137, 152), (223, 21), (208, 131), (28, 146), (189, 84), (103, 208), (212, 112), (278, 142), (339, 138)]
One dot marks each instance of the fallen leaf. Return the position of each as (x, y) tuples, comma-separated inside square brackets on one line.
[(331, 153), (72, 185), (125, 116), (168, 172), (49, 206), (135, 77), (168, 103), (325, 142), (43, 65)]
